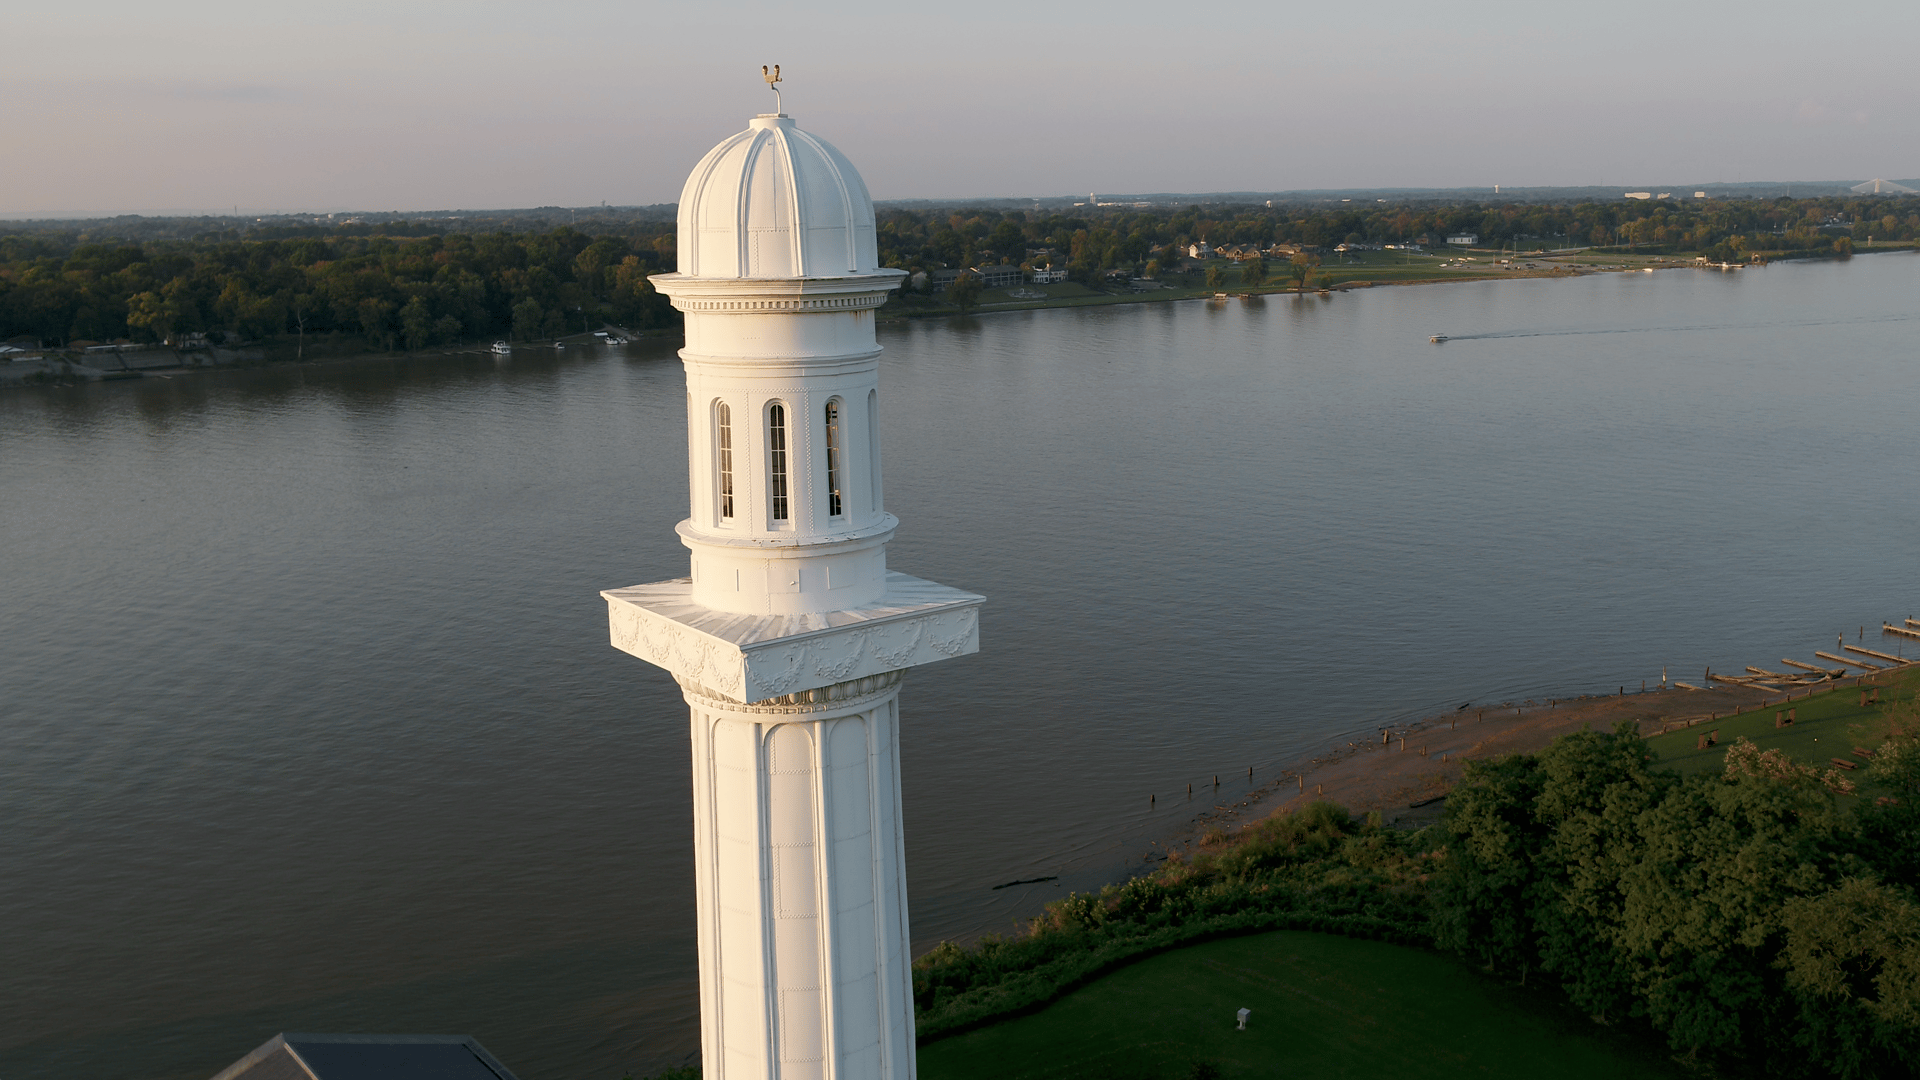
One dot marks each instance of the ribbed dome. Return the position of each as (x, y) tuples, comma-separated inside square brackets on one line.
[(775, 202)]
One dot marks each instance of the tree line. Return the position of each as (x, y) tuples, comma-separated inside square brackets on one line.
[(389, 291), (1090, 241), (410, 283)]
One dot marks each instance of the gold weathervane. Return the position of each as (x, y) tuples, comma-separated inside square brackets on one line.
[(772, 76)]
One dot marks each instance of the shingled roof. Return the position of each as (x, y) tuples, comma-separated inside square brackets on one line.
[(295, 1056)]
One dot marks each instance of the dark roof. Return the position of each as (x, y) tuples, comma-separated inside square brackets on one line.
[(296, 1056)]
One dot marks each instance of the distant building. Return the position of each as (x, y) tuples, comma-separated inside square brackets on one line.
[(1465, 239), (1199, 251), (1699, 194), (1049, 276), (1883, 187), (1637, 195), (998, 277)]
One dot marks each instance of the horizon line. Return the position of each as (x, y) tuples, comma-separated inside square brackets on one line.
[(234, 213)]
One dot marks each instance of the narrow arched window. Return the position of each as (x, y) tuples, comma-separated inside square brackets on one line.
[(835, 467), (777, 459), (723, 434), (873, 449)]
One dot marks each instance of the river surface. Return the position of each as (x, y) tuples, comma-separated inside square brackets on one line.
[(308, 719)]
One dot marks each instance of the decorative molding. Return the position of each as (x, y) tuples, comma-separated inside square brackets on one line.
[(755, 307), (748, 658), (854, 693)]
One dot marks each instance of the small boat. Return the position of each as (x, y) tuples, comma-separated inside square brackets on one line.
[(1437, 338), (559, 344), (501, 348)]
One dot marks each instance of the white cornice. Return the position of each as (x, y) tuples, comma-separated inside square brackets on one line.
[(752, 658), (849, 292)]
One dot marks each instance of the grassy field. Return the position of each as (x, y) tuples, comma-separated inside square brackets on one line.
[(1323, 1007), (1827, 725)]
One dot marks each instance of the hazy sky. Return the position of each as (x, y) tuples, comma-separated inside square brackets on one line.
[(407, 104)]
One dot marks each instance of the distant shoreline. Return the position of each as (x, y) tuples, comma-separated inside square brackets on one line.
[(63, 367), (1346, 277)]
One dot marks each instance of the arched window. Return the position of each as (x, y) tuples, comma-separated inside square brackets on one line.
[(835, 467), (723, 435), (777, 459), (873, 448)]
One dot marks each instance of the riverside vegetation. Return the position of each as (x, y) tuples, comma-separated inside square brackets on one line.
[(398, 283), (1762, 919)]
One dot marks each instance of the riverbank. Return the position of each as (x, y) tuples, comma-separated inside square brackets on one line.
[(59, 367), (1362, 270), (1405, 772)]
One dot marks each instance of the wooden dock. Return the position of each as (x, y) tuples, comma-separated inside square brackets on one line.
[(1897, 660), (1844, 660), (1889, 628), (1828, 672)]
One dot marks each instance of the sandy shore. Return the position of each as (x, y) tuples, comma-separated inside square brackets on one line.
[(1405, 777)]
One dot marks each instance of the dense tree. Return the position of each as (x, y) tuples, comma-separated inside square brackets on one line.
[(386, 290), (964, 293), (1301, 266), (1738, 913)]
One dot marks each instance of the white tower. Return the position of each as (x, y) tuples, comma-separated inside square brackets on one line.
[(790, 638)]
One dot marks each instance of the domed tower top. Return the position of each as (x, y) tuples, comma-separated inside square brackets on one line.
[(775, 202)]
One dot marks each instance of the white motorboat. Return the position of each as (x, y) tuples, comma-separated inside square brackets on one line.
[(501, 348)]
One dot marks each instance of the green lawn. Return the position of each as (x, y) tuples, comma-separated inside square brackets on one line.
[(1323, 1007), (1828, 725)]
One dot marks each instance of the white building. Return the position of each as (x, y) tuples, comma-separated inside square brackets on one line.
[(1464, 239), (790, 636)]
